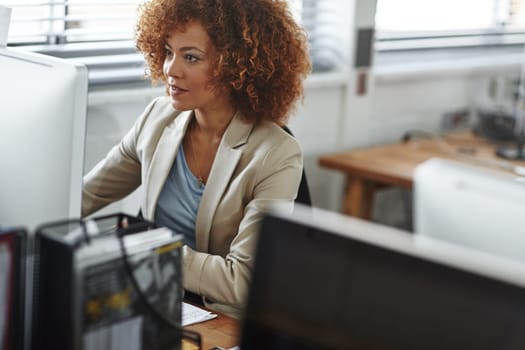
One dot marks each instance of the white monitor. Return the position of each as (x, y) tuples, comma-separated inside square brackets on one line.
[(471, 206), (42, 135)]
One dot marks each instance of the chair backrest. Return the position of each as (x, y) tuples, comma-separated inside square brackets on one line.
[(303, 194)]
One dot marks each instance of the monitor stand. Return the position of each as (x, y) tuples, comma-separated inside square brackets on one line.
[(513, 152), (516, 152)]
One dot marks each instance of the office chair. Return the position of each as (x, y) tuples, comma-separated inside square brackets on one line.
[(303, 194)]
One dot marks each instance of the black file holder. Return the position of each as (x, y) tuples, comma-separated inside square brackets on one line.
[(113, 282), (13, 246)]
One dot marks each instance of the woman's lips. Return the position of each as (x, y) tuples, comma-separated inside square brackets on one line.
[(176, 91)]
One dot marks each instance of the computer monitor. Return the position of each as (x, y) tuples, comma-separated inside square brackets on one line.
[(469, 205), (42, 136), (325, 281)]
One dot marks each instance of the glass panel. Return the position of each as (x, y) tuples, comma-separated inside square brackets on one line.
[(517, 14), (95, 20), (29, 22), (434, 15)]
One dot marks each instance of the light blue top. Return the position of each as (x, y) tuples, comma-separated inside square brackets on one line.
[(179, 200)]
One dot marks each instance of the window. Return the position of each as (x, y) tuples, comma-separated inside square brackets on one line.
[(412, 24), (99, 33), (70, 21)]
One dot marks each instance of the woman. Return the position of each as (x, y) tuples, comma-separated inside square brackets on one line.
[(212, 156)]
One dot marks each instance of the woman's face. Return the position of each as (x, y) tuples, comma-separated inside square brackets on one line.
[(187, 68)]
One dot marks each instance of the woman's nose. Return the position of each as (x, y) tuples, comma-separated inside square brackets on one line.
[(173, 67)]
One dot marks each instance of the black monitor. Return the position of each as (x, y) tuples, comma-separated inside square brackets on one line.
[(324, 281), (12, 288)]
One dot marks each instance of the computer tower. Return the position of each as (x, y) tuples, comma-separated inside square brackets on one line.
[(114, 282)]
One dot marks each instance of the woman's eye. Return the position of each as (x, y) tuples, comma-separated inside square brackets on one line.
[(191, 58), (167, 52)]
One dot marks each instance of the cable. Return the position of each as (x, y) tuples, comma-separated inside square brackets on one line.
[(187, 334)]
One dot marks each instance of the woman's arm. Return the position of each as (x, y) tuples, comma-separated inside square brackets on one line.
[(118, 174)]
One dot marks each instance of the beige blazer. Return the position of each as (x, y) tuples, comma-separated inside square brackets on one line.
[(256, 166)]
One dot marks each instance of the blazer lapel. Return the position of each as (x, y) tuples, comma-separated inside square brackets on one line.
[(162, 160), (226, 159)]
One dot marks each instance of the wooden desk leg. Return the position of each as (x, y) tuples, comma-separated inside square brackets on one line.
[(358, 198)]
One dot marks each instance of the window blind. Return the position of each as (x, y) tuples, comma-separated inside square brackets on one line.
[(319, 19), (71, 21), (99, 33), (412, 24)]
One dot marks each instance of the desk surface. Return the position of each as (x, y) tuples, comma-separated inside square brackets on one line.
[(393, 164), (223, 331)]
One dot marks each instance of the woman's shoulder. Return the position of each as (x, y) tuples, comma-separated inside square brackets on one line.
[(272, 147), (276, 131), (161, 106), (158, 111), (270, 135), (157, 117)]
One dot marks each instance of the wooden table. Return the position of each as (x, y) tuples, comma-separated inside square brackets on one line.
[(371, 168), (223, 331)]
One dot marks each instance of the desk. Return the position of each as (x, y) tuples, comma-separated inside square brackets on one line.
[(221, 331), (369, 169)]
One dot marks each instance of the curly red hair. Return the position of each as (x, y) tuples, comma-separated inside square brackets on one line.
[(262, 52)]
